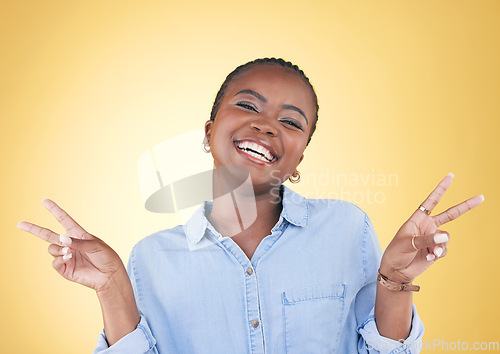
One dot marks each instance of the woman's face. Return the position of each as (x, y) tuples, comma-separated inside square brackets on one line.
[(263, 124)]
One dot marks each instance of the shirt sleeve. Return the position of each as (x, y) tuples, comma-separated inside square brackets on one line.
[(370, 341), (141, 339), (138, 341)]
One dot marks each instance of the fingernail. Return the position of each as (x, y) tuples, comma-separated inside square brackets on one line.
[(19, 223), (65, 239), (429, 257), (65, 250), (438, 252), (440, 238), (482, 197), (44, 199), (68, 256), (451, 175)]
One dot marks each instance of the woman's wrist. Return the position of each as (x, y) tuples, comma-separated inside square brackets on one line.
[(116, 282), (392, 273), (119, 309), (118, 295)]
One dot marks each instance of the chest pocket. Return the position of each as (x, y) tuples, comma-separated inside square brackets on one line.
[(312, 318)]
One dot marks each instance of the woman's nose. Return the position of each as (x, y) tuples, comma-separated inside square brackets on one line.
[(263, 126)]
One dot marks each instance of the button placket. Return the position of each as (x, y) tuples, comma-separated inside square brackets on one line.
[(252, 294), (252, 297), (253, 303)]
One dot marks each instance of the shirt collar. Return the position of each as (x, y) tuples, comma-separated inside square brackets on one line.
[(295, 211)]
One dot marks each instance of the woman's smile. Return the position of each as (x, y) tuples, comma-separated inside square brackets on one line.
[(256, 150)]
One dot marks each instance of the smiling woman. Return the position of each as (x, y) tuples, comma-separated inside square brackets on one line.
[(266, 104), (306, 275)]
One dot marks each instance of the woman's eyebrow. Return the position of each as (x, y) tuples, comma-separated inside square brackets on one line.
[(253, 93), (296, 109)]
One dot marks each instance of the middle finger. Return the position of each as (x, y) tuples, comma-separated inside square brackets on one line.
[(69, 224), (433, 199)]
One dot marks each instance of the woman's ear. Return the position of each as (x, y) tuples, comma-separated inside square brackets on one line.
[(208, 129), (300, 160)]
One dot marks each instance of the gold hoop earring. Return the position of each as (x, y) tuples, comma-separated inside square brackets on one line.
[(204, 147), (297, 176)]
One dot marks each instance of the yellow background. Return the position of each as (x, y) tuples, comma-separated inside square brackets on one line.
[(405, 87)]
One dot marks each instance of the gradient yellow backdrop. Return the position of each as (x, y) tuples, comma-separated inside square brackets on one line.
[(406, 88)]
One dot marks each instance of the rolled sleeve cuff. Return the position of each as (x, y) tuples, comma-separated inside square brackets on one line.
[(375, 343), (139, 340)]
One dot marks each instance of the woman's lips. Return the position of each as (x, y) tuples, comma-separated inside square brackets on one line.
[(254, 157), (258, 146)]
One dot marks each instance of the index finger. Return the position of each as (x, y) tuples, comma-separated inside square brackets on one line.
[(433, 199), (457, 210), (70, 225)]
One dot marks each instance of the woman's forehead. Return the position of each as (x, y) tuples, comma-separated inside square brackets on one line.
[(272, 80), (268, 72)]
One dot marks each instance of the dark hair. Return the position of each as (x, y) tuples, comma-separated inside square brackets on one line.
[(269, 61)]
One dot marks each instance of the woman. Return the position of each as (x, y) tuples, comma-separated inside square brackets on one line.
[(300, 278)]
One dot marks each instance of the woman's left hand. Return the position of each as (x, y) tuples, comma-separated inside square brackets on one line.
[(407, 256)]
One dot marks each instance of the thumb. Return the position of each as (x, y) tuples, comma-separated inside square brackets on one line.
[(430, 240)]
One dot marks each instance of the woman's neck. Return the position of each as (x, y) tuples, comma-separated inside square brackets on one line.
[(244, 210), (234, 221)]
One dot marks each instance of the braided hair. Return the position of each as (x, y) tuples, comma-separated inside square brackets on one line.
[(264, 61)]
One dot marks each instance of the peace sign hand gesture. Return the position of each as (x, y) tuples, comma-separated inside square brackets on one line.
[(78, 256), (419, 242)]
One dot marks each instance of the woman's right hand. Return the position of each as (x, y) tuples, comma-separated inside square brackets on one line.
[(93, 263)]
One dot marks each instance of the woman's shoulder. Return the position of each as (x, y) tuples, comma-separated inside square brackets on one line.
[(173, 238), (334, 208), (324, 208)]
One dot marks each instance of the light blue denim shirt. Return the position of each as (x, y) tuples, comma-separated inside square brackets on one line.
[(309, 287)]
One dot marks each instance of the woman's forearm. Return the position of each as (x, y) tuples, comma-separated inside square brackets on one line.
[(119, 310), (393, 312)]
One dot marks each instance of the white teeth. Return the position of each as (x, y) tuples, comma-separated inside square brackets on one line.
[(256, 147), (257, 156)]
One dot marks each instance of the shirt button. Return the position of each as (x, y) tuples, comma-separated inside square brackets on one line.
[(255, 323), (249, 271)]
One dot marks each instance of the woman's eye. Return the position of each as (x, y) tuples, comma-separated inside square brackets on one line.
[(292, 123), (246, 106)]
